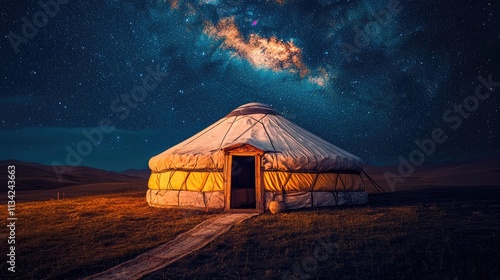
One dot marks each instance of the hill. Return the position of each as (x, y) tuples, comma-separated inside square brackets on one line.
[(466, 173), (38, 182), (144, 173)]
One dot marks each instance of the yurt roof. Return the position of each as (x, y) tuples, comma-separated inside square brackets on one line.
[(286, 146)]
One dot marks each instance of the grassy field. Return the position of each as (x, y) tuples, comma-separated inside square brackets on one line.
[(430, 234), (70, 238), (433, 234)]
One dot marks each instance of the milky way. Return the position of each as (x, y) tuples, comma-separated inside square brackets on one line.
[(369, 76)]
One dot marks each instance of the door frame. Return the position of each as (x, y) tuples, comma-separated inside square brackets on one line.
[(246, 151)]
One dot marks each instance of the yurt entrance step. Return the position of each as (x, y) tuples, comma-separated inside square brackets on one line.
[(232, 210)]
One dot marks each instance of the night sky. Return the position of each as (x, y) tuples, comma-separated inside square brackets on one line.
[(369, 76)]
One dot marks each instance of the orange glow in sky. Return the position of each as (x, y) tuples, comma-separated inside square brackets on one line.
[(271, 53)]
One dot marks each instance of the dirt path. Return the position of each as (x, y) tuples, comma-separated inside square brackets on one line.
[(174, 250)]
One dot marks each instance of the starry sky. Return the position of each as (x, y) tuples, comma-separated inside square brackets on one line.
[(370, 76)]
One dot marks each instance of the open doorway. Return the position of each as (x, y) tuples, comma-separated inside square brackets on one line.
[(243, 182)]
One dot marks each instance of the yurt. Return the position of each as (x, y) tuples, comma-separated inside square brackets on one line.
[(248, 159)]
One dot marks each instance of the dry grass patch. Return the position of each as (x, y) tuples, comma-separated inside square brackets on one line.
[(449, 239), (438, 234), (76, 237)]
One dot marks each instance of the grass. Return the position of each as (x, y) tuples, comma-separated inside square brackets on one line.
[(70, 238), (453, 238), (439, 234)]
